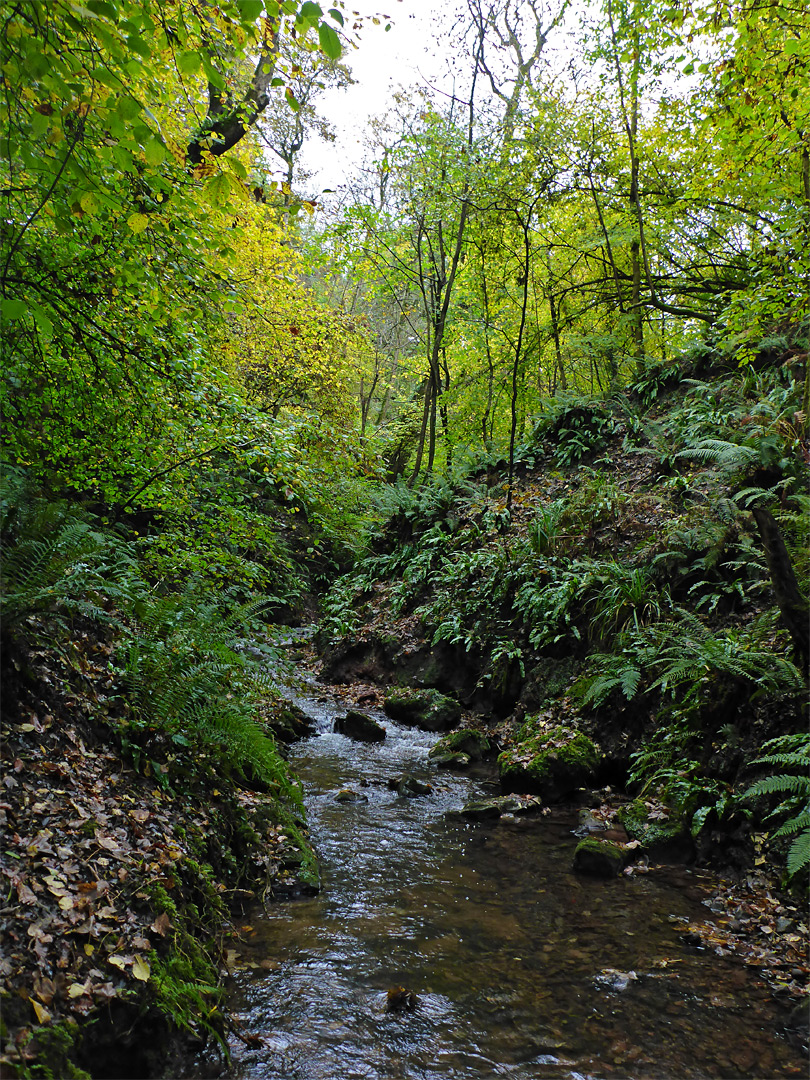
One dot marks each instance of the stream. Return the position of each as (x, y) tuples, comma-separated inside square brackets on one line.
[(521, 969)]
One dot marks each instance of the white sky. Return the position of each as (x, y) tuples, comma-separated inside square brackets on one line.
[(407, 55)]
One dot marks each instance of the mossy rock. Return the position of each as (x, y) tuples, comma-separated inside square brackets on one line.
[(467, 742), (599, 858), (552, 764), (359, 726), (448, 760), (662, 838), (426, 709)]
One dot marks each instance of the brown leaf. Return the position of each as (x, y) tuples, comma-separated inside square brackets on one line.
[(161, 924), (24, 894)]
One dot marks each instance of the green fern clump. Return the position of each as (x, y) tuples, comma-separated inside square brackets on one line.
[(790, 755), (186, 677), (54, 561)]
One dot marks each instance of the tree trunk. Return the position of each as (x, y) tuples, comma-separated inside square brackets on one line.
[(792, 604)]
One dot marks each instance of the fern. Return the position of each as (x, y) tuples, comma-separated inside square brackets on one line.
[(788, 752)]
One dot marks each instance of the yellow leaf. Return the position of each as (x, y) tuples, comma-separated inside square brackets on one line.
[(89, 950), (88, 202), (77, 989), (141, 969), (138, 222), (118, 961), (43, 1016), (66, 903)]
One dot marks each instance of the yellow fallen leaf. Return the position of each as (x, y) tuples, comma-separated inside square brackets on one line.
[(65, 903), (118, 961), (43, 1016), (77, 989), (141, 969), (89, 950)]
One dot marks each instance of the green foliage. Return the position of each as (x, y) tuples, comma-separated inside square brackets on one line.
[(790, 754), (683, 656), (185, 677), (573, 428)]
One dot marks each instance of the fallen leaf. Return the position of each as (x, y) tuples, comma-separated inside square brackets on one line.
[(161, 924), (43, 1016), (141, 969), (119, 961), (77, 989)]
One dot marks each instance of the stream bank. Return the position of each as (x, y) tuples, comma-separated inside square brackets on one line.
[(517, 966)]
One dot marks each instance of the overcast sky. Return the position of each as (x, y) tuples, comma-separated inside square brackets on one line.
[(410, 53)]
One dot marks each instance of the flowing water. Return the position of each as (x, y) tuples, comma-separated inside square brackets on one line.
[(521, 969)]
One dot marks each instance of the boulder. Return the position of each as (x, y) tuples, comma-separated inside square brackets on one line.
[(481, 810), (349, 795), (359, 726), (466, 742), (599, 858), (426, 709), (490, 809), (408, 786), (448, 760), (551, 764)]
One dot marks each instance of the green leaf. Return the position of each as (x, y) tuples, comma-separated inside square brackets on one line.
[(43, 322), (189, 62), (139, 46), (218, 189), (236, 166), (336, 15), (250, 10), (212, 74), (14, 309), (154, 151), (330, 42), (88, 202), (310, 10)]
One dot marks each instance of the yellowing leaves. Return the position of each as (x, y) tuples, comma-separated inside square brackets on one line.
[(140, 969), (43, 1016), (218, 190), (138, 223)]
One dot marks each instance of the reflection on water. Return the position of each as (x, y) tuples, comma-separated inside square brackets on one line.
[(521, 969)]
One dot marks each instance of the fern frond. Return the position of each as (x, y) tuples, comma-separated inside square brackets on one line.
[(799, 854), (770, 785)]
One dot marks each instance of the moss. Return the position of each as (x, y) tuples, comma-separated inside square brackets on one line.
[(599, 858), (651, 834), (465, 741), (56, 1048), (551, 763)]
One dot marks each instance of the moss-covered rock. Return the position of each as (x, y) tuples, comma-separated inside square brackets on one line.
[(467, 742), (359, 726), (426, 709), (552, 764), (663, 836), (599, 858)]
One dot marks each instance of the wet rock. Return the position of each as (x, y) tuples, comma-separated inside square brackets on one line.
[(618, 981), (359, 726), (551, 764), (490, 809), (426, 709), (289, 723), (463, 743), (665, 836), (409, 786), (399, 999), (481, 810), (349, 795), (448, 760), (599, 858)]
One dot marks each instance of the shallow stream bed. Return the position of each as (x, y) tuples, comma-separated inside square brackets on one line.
[(521, 969)]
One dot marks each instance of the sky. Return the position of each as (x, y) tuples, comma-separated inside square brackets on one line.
[(408, 54)]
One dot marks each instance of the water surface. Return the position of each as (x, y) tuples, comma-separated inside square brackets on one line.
[(521, 968)]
